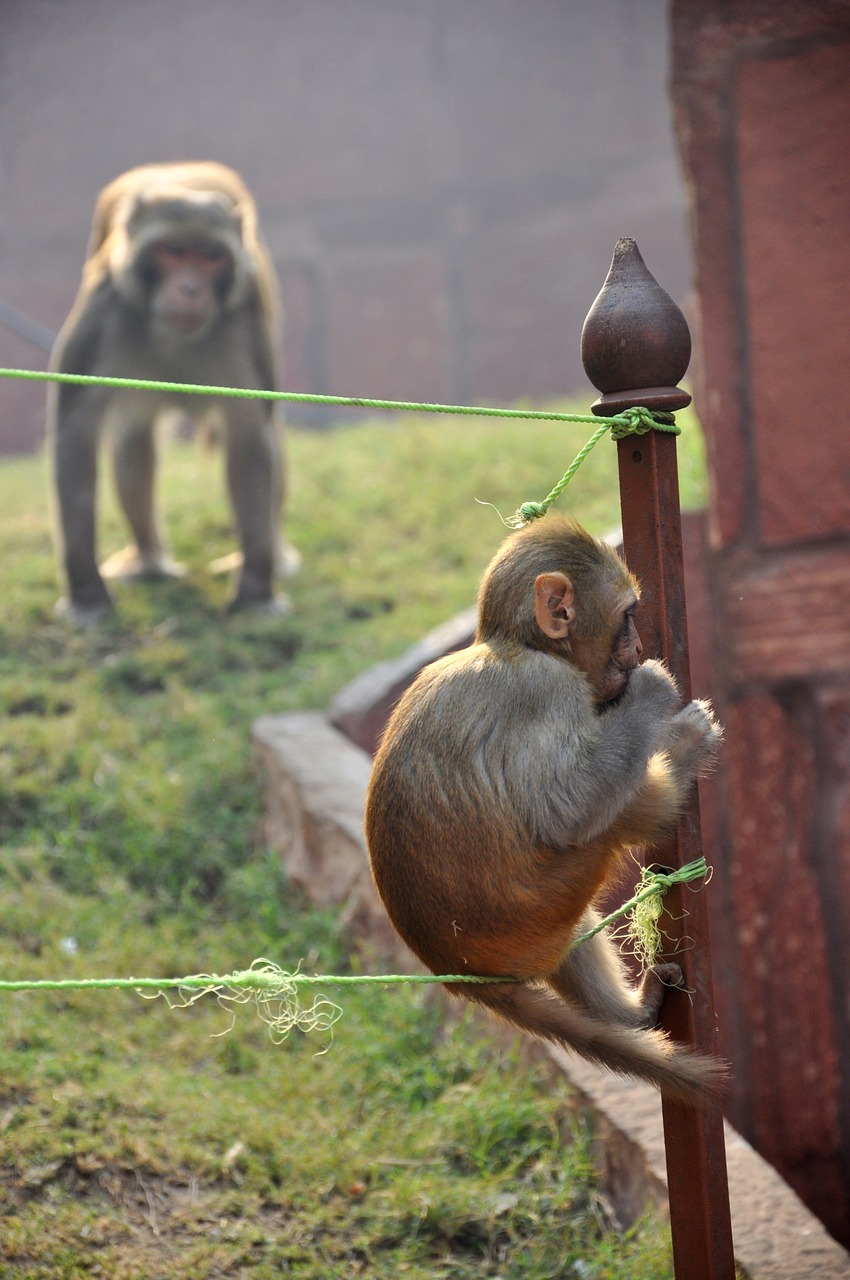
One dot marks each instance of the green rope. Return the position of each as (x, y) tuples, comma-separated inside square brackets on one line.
[(263, 975), (635, 421), (297, 397), (274, 991), (293, 397), (645, 908)]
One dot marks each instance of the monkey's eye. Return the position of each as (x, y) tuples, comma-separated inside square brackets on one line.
[(212, 254), (627, 622)]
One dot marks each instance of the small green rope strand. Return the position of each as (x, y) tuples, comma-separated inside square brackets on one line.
[(630, 422)]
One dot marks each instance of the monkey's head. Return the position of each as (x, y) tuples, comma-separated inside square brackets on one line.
[(553, 587), (177, 256)]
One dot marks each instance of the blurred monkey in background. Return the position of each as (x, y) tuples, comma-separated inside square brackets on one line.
[(177, 286)]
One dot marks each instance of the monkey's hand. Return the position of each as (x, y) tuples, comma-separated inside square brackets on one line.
[(692, 737), (652, 685)]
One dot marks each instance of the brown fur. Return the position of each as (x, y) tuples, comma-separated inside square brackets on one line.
[(507, 790)]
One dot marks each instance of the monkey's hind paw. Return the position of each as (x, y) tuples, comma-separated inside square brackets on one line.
[(699, 732), (83, 616), (288, 562), (653, 989), (225, 564), (128, 565), (669, 974), (274, 607)]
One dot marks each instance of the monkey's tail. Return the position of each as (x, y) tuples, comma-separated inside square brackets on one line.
[(648, 1055)]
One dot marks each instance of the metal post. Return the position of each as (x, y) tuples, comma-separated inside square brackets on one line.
[(635, 348)]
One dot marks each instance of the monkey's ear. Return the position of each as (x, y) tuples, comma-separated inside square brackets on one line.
[(553, 605)]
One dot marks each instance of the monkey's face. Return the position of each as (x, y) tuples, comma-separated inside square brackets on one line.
[(189, 280), (180, 260), (608, 664), (626, 650)]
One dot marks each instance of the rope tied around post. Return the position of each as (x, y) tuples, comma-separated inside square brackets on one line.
[(303, 397), (642, 936), (631, 422)]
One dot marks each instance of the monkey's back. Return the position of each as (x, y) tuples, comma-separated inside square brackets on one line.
[(450, 814)]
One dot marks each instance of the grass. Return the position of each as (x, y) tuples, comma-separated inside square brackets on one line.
[(138, 1142)]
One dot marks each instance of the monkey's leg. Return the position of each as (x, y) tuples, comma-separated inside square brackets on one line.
[(595, 977), (254, 478), (134, 458), (75, 441), (288, 557), (631, 1050)]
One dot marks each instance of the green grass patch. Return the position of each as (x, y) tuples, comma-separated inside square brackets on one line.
[(138, 1141)]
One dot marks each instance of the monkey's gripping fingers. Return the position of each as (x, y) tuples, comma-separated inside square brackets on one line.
[(693, 736), (652, 989), (655, 688)]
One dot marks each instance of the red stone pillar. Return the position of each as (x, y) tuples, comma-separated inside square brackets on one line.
[(762, 100)]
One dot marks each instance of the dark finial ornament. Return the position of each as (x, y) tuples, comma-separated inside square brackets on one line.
[(635, 343)]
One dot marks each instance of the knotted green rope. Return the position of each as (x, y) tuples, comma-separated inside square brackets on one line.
[(636, 421), (645, 908), (630, 422), (275, 992)]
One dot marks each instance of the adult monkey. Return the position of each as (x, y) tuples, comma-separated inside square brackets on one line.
[(177, 286), (513, 778)]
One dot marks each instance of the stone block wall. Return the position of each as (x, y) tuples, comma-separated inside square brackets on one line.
[(762, 100)]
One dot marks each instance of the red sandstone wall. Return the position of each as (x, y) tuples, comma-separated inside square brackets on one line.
[(762, 97)]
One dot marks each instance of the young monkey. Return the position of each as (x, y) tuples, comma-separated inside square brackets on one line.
[(513, 777)]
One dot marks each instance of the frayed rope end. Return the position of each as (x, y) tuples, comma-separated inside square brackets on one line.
[(273, 991)]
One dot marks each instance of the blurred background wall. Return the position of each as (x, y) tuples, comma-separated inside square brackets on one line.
[(441, 183)]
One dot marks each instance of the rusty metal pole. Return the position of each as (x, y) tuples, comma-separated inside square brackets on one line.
[(635, 348)]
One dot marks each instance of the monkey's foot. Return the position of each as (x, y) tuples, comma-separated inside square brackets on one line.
[(652, 990), (226, 564), (669, 974), (83, 616), (273, 607), (129, 566), (288, 563)]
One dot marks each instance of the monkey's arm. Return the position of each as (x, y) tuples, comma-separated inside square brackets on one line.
[(74, 414), (690, 741), (262, 356), (78, 347), (573, 769)]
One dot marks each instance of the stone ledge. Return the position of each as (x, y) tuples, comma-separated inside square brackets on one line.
[(362, 707), (315, 786), (315, 791)]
